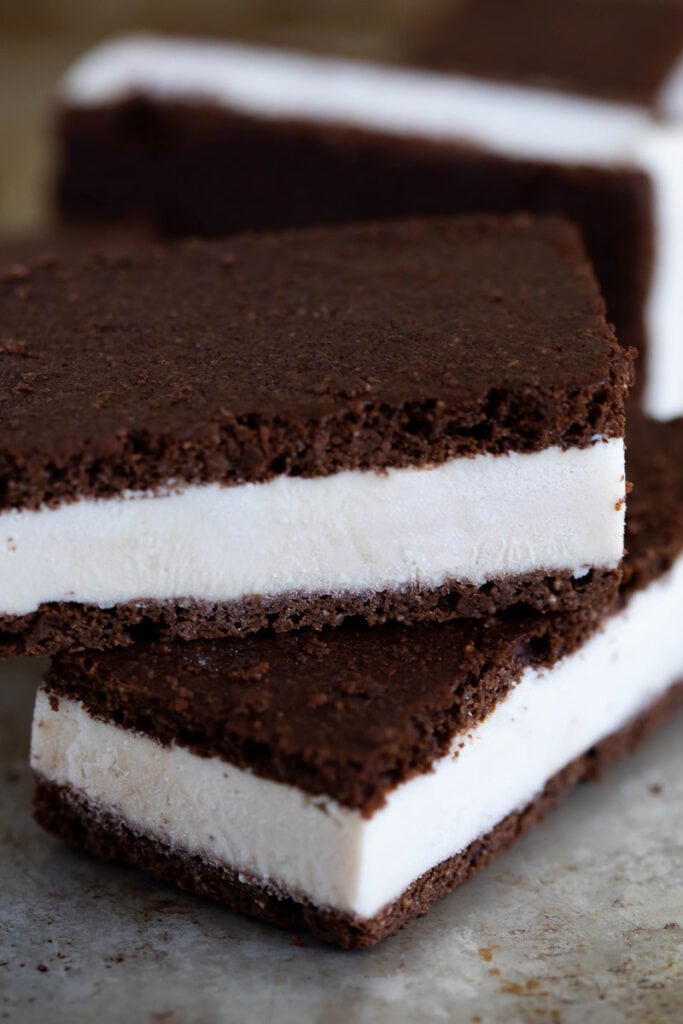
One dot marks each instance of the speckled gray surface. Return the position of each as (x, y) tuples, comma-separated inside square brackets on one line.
[(583, 920)]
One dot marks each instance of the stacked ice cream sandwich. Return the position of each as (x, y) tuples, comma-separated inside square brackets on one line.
[(324, 528)]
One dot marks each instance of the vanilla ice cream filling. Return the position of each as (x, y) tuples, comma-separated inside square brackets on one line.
[(510, 120), (528, 122), (468, 519), (312, 846)]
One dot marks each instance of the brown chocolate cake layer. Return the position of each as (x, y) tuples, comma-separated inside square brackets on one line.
[(61, 811), (617, 50), (654, 522), (70, 626), (172, 165), (301, 354), (348, 713), (327, 711)]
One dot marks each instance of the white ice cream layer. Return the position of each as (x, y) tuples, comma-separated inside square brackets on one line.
[(467, 519), (532, 123), (314, 847), (512, 121)]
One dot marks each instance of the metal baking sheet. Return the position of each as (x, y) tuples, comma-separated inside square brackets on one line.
[(583, 920)]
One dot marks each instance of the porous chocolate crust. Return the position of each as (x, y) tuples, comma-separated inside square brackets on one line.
[(65, 626), (171, 165), (347, 713), (63, 812), (303, 354), (617, 50)]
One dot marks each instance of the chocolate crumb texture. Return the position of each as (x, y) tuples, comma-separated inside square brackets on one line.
[(357, 347)]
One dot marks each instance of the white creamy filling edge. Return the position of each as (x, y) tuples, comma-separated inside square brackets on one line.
[(468, 519), (515, 121), (332, 855), (273, 83)]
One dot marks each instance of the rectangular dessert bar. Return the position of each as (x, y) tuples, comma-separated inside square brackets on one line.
[(343, 781), (207, 138), (410, 421)]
